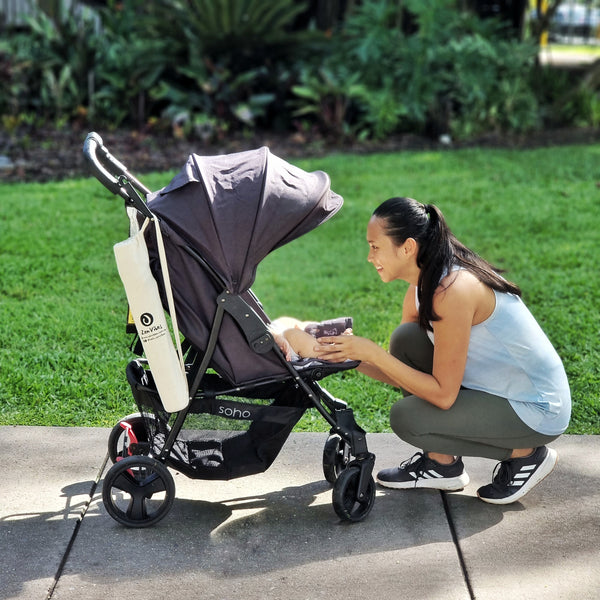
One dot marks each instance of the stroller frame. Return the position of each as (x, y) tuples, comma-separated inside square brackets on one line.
[(144, 444)]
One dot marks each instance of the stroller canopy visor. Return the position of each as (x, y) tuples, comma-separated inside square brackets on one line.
[(234, 209)]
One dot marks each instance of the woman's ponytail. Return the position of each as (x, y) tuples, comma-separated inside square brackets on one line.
[(434, 259)]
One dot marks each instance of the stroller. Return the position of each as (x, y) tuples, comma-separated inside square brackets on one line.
[(225, 405)]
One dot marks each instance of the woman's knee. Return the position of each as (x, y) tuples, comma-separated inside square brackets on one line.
[(404, 418), (396, 420), (401, 338), (410, 344)]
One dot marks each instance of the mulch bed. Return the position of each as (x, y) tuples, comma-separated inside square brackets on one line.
[(50, 155)]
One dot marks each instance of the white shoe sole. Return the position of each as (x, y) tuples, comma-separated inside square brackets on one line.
[(447, 484), (542, 472)]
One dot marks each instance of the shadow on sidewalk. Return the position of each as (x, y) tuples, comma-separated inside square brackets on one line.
[(238, 536)]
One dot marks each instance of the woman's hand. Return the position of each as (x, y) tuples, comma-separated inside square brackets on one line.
[(344, 347)]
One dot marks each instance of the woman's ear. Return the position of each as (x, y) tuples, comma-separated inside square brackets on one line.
[(410, 246)]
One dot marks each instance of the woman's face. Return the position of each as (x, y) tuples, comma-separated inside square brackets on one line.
[(389, 260)]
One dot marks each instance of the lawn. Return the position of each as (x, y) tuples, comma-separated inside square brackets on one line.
[(535, 213)]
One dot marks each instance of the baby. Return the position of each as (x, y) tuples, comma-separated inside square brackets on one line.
[(296, 338)]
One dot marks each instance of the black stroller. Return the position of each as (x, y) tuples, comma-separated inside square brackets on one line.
[(213, 224)]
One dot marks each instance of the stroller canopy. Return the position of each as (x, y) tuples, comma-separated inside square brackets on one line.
[(232, 210), (235, 209)]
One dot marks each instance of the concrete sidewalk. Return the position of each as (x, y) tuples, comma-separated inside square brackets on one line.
[(275, 535)]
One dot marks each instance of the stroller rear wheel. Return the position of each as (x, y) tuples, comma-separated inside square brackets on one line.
[(346, 503), (336, 456), (138, 491)]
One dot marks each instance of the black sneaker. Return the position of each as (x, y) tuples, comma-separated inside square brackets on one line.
[(514, 477), (420, 471)]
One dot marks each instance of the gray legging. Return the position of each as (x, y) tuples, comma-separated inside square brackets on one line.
[(477, 424)]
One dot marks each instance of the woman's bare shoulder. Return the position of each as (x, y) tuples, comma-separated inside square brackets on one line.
[(462, 289), (459, 281)]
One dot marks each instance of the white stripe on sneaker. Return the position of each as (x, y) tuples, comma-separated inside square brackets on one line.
[(523, 475), (523, 481), (427, 475)]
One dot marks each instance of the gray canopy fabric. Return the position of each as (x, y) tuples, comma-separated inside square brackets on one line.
[(232, 210), (235, 209)]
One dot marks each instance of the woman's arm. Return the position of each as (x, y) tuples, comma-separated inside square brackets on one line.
[(456, 305), (410, 314)]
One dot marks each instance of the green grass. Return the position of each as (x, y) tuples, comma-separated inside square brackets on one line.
[(536, 213)]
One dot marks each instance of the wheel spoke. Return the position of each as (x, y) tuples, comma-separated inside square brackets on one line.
[(125, 482), (137, 507), (153, 484)]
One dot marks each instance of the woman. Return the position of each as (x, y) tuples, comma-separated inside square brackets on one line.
[(480, 377)]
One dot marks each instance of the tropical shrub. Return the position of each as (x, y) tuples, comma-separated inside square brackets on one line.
[(448, 72), (134, 54), (210, 68), (236, 64), (52, 62)]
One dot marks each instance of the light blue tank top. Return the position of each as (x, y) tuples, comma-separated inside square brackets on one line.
[(510, 356)]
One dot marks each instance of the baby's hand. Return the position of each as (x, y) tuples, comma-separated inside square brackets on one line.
[(284, 345)]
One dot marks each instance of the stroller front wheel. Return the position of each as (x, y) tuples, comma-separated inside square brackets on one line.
[(346, 503), (138, 491)]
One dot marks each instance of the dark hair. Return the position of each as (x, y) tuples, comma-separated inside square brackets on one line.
[(438, 250)]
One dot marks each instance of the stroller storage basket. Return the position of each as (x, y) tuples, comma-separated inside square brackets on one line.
[(224, 435)]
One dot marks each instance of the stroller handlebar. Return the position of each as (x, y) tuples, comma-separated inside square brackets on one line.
[(101, 160), (91, 147)]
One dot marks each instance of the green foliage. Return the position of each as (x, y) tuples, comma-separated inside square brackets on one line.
[(236, 29), (62, 306), (498, 97), (233, 70), (12, 86), (133, 57), (51, 63), (454, 74), (569, 98), (212, 98), (210, 68), (326, 96)]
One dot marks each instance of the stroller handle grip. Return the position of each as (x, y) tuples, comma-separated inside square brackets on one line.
[(100, 158), (93, 143)]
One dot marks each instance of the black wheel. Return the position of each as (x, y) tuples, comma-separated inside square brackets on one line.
[(346, 503), (336, 456), (138, 491)]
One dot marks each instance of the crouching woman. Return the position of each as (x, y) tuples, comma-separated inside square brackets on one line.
[(479, 376)]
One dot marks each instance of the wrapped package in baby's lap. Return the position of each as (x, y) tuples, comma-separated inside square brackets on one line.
[(149, 316), (332, 327)]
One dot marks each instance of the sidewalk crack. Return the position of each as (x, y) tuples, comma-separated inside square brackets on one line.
[(69, 547), (456, 541)]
